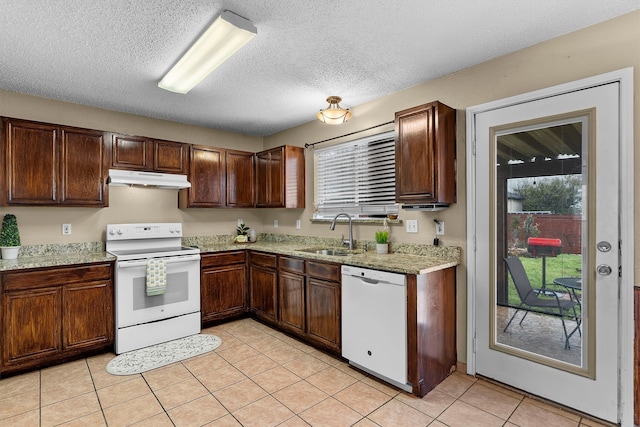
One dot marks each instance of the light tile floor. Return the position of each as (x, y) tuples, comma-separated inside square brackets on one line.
[(258, 377)]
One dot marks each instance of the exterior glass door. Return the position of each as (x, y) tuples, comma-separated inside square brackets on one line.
[(546, 223)]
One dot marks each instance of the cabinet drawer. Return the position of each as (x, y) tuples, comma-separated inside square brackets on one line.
[(324, 270), (266, 260), (225, 258), (55, 276), (294, 265)]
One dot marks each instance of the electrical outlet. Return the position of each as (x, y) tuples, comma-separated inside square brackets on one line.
[(240, 222), (440, 228), (66, 229), (412, 225), (275, 223), (298, 224)]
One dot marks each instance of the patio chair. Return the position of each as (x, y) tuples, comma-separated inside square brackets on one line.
[(531, 299)]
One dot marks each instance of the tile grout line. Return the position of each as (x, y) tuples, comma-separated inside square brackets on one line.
[(156, 397), (95, 390)]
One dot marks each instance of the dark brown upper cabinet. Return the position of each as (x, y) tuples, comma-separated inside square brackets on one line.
[(52, 165), (280, 179), (145, 154), (426, 154), (219, 178), (240, 177), (170, 157), (206, 175)]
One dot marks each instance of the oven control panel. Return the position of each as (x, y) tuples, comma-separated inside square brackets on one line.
[(143, 231)]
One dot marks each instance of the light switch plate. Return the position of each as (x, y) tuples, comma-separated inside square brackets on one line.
[(66, 229), (298, 224), (412, 225), (275, 223)]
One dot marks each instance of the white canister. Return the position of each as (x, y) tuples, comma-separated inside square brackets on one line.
[(252, 235)]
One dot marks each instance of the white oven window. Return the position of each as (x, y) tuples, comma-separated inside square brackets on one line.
[(177, 291)]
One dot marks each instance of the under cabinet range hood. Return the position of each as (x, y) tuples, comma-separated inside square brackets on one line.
[(427, 207), (147, 179)]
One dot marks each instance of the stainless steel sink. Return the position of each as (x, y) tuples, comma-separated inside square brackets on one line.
[(330, 251)]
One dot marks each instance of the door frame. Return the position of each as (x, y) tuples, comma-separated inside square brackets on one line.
[(625, 315)]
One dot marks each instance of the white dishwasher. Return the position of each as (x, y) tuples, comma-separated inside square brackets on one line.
[(374, 323)]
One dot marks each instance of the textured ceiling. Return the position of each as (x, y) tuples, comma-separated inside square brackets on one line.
[(112, 53)]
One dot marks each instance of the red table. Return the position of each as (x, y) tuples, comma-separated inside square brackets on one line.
[(544, 247)]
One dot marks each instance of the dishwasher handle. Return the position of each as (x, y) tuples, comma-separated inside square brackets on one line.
[(369, 281)]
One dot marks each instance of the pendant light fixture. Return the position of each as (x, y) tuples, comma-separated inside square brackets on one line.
[(334, 114), (228, 33)]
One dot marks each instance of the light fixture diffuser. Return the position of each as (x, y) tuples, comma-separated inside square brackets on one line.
[(228, 33), (334, 114)]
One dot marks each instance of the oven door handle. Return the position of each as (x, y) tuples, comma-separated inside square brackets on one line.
[(167, 260)]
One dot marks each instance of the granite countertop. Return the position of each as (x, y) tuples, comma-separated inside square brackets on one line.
[(54, 260), (404, 258), (398, 262)]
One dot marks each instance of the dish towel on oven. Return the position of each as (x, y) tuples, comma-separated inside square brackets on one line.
[(156, 277)]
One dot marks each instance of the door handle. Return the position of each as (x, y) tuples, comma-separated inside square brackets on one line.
[(603, 270)]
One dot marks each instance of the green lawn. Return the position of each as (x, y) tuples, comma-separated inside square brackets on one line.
[(564, 265)]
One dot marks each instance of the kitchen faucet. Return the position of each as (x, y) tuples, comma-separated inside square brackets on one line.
[(333, 227)]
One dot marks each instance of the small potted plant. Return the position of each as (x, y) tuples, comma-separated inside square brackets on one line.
[(382, 241), (9, 237), (241, 234)]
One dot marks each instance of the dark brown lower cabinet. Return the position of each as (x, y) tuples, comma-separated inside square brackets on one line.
[(309, 301), (431, 328), (223, 284), (263, 286), (324, 305), (291, 294), (53, 315)]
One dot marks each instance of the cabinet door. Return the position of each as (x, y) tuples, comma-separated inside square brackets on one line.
[(291, 301), (240, 179), (270, 178), (88, 315), (223, 292), (170, 157), (83, 170), (131, 152), (415, 155), (425, 154), (263, 292), (280, 179), (323, 312), (206, 174), (31, 151), (31, 325), (294, 177)]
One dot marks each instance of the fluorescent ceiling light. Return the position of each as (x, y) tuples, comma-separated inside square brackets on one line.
[(228, 33)]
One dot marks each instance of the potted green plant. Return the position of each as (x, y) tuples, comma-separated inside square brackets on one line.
[(382, 241), (10, 237), (241, 233)]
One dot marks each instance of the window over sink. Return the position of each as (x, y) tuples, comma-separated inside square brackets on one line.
[(356, 177)]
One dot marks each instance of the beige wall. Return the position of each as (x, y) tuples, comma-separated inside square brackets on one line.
[(599, 49), (602, 48)]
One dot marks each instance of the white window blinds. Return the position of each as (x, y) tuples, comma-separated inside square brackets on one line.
[(357, 177)]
